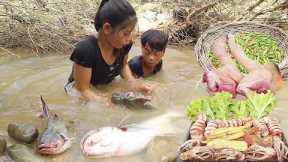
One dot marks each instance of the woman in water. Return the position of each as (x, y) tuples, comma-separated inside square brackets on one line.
[(100, 57)]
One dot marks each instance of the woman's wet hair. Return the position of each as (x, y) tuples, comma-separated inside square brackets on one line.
[(155, 39), (114, 12)]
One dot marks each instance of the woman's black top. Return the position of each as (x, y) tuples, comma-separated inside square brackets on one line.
[(88, 54)]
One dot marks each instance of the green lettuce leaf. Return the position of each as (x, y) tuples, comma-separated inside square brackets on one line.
[(223, 106), (239, 109), (260, 105), (195, 107), (220, 105), (208, 109)]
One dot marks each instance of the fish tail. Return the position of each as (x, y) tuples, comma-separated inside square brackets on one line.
[(44, 108)]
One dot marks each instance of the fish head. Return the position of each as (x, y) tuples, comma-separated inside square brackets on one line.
[(120, 97), (136, 96), (54, 139), (117, 98), (53, 143), (102, 142)]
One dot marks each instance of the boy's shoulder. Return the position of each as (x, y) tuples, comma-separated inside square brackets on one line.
[(135, 65), (136, 60), (158, 67)]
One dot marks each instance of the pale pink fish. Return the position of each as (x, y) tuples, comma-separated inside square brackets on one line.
[(113, 141)]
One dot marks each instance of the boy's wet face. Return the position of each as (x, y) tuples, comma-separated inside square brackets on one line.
[(151, 57), (122, 37)]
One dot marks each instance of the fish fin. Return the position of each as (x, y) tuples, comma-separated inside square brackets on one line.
[(45, 109), (67, 144), (65, 138), (123, 120)]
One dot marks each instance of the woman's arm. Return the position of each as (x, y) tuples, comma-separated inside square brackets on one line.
[(127, 75), (126, 72), (82, 77)]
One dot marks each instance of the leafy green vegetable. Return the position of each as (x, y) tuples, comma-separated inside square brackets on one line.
[(239, 109), (262, 104), (223, 106), (257, 46), (195, 107), (208, 109), (215, 107), (220, 104)]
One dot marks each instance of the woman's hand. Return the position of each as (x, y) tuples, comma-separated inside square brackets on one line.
[(146, 88), (82, 77), (128, 76)]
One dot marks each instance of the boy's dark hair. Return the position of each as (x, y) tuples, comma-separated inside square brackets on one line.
[(156, 39), (115, 12)]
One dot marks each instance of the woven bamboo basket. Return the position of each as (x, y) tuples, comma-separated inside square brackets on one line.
[(204, 43)]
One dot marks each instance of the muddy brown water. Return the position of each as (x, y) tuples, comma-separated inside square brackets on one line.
[(23, 79)]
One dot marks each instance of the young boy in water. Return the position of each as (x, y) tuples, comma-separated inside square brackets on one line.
[(153, 43)]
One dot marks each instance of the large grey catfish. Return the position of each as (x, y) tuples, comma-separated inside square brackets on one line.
[(54, 139)]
